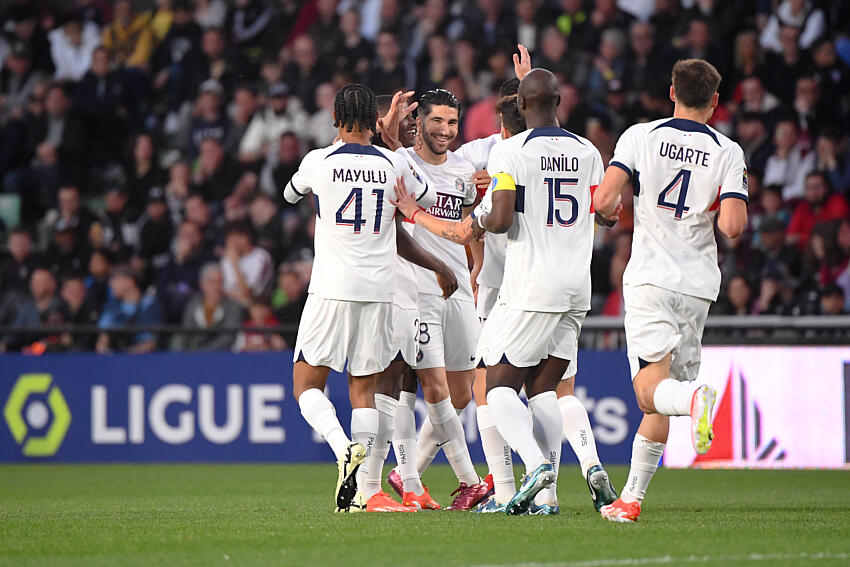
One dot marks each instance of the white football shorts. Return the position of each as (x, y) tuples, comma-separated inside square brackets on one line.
[(333, 331), (448, 333), (406, 334), (524, 338), (487, 297), (659, 321)]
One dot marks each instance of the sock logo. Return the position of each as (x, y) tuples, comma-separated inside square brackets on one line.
[(37, 415), (402, 455), (583, 435), (443, 443), (507, 455), (738, 405)]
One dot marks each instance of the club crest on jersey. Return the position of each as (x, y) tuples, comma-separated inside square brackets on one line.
[(745, 179), (415, 173), (459, 185), (493, 182)]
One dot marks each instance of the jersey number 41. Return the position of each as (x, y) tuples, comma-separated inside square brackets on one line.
[(356, 198)]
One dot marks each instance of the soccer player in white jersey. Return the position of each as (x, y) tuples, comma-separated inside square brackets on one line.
[(683, 172), (348, 314), (449, 328), (542, 187)]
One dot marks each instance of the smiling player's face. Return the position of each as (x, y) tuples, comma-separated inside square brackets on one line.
[(407, 131), (439, 128)]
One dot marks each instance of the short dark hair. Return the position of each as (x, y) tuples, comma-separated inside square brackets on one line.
[(437, 97), (240, 227), (695, 82), (512, 118), (383, 103), (355, 106), (509, 87), (20, 229)]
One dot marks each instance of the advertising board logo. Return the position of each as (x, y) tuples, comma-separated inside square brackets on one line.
[(37, 426), (737, 404)]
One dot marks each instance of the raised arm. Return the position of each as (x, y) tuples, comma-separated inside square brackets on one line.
[(460, 232)]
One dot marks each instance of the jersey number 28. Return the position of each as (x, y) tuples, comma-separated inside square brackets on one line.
[(681, 182), (356, 198)]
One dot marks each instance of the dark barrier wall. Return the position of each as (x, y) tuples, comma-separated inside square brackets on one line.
[(222, 407)]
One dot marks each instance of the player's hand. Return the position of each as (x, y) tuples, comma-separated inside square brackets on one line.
[(481, 180), (473, 278), (477, 231), (522, 62), (446, 280), (388, 124), (404, 201), (611, 219)]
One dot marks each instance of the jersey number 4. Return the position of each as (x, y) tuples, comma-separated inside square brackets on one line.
[(556, 195), (680, 182), (356, 198)]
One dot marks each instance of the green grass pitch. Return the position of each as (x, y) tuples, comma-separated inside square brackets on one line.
[(282, 515)]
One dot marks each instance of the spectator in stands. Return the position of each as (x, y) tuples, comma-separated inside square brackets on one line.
[(283, 114), (119, 232), (18, 79), (748, 60), (254, 339), (210, 121), (646, 63), (128, 308), (755, 99), (143, 172), (277, 173), (572, 112), (833, 158), (387, 73), (155, 232), (782, 70), (43, 296), (71, 46), (57, 140), (97, 281), (737, 299), (753, 136), (216, 173), (218, 62), (829, 73), (177, 189), (570, 65), (210, 309), (320, 129), (354, 51), (246, 23), (178, 280), (67, 250), (17, 268), (22, 27), (774, 256), (163, 19), (267, 224), (247, 269), (790, 162), (79, 312), (198, 211), (129, 38), (177, 60), (832, 300), (812, 115), (243, 110), (797, 14), (109, 106), (820, 205), (71, 210), (211, 13), (610, 64), (289, 298)]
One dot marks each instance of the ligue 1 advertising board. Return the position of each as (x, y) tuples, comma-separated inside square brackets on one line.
[(777, 407)]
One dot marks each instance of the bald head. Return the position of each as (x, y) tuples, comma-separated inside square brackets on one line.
[(538, 97)]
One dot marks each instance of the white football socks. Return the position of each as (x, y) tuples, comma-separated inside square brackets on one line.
[(498, 455), (578, 432), (513, 421), (447, 426), (386, 407), (319, 412), (404, 443), (427, 445), (672, 397), (548, 428), (645, 457), (364, 430)]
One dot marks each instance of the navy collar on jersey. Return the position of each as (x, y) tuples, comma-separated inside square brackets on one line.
[(550, 132), (688, 126), (358, 149)]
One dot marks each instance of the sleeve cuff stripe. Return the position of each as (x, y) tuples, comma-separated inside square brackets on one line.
[(296, 190), (741, 196), (423, 192), (622, 166)]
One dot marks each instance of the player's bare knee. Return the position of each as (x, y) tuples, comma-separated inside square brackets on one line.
[(645, 398), (566, 387)]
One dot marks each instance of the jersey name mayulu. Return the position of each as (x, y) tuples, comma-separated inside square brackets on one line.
[(454, 190), (681, 170), (547, 259), (355, 239)]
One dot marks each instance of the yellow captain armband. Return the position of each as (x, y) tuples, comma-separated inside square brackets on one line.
[(502, 182)]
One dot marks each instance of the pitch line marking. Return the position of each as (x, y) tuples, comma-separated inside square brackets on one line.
[(669, 559)]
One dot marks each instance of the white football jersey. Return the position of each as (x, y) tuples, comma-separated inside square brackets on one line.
[(355, 226), (453, 188), (477, 152), (680, 170), (547, 259), (493, 270)]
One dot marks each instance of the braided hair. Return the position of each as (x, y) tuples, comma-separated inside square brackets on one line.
[(355, 107)]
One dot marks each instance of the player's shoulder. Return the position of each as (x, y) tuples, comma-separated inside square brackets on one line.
[(728, 145), (457, 162)]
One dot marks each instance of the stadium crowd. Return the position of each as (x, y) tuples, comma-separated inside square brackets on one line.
[(143, 146)]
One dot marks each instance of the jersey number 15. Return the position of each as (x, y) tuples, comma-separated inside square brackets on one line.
[(557, 195), (356, 198)]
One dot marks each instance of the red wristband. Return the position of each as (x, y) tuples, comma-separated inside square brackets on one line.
[(413, 216)]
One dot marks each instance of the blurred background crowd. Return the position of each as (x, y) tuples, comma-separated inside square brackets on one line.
[(143, 145)]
